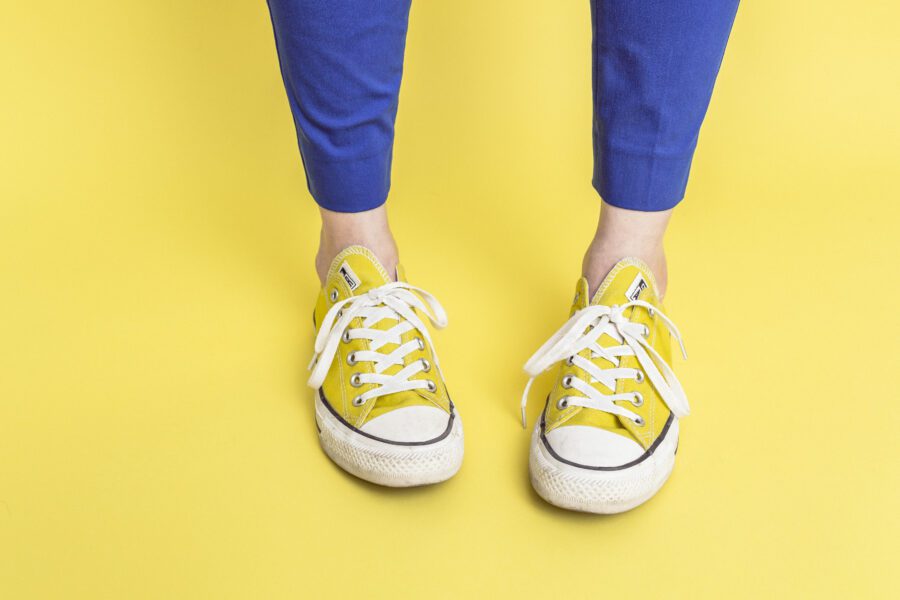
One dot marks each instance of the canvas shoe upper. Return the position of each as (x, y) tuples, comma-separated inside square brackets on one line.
[(606, 439), (382, 407)]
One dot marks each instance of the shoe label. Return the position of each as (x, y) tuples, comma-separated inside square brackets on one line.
[(637, 286), (349, 276)]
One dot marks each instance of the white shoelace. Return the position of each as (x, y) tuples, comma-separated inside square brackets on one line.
[(397, 301), (582, 331)]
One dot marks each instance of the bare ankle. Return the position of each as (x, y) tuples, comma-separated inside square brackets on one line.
[(626, 233), (599, 261), (369, 229)]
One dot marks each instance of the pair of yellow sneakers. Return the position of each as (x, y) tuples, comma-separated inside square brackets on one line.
[(605, 441)]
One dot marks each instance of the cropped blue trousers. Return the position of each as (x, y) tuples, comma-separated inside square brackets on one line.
[(654, 66)]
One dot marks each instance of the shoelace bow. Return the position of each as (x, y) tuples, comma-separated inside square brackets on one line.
[(583, 330), (397, 301)]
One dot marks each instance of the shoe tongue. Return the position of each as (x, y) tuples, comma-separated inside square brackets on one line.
[(359, 269), (630, 279)]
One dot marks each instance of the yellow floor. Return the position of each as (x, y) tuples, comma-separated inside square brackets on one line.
[(156, 238)]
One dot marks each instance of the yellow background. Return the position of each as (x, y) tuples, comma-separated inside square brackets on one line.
[(156, 243)]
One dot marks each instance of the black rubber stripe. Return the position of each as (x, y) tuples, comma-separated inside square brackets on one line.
[(378, 439), (640, 459)]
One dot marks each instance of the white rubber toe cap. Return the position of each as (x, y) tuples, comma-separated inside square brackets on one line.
[(408, 425), (593, 447)]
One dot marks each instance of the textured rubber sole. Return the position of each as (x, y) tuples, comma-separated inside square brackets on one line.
[(600, 492), (389, 464)]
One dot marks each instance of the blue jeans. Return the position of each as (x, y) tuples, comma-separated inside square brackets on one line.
[(654, 66)]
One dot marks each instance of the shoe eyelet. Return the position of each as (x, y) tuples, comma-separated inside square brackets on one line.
[(638, 399), (358, 401), (340, 313), (651, 312), (567, 381), (639, 421), (646, 332), (639, 376), (432, 386), (570, 361), (346, 337), (426, 366), (355, 380), (562, 403), (351, 358), (334, 295), (421, 343)]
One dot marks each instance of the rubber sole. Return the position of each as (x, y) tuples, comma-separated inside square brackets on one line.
[(600, 492), (387, 464)]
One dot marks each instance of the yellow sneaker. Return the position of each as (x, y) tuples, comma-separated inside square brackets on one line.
[(382, 409), (606, 440)]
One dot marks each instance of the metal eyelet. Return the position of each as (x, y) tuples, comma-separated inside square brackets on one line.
[(639, 377), (567, 381), (432, 386), (651, 312), (638, 399), (355, 380), (346, 337), (570, 361), (340, 313), (421, 343), (334, 295), (358, 401), (646, 332), (639, 422), (351, 358), (426, 366), (562, 403)]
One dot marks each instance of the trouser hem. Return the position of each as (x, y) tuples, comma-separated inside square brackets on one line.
[(349, 185), (643, 182)]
